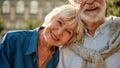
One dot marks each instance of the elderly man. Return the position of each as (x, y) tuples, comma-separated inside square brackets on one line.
[(100, 47)]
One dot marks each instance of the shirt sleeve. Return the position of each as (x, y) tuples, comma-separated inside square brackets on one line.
[(6, 51)]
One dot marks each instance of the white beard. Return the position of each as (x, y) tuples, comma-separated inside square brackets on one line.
[(94, 17)]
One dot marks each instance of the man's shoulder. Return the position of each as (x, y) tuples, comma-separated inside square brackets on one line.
[(115, 19), (115, 24)]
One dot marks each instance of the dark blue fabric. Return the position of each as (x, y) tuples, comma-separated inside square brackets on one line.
[(18, 50)]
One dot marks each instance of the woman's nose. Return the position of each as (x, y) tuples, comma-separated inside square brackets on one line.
[(60, 31)]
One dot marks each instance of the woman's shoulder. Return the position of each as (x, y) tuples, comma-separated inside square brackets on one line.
[(18, 34)]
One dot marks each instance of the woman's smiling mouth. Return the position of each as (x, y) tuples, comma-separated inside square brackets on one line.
[(53, 36)]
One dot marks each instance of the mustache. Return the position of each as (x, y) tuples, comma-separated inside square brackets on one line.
[(92, 6)]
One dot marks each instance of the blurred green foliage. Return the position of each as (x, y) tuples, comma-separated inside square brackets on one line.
[(113, 8), (31, 24), (1, 25)]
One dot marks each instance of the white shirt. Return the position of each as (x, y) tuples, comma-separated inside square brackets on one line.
[(69, 59)]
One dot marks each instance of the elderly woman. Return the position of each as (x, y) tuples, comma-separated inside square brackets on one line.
[(38, 48)]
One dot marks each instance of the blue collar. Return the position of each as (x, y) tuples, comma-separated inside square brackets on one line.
[(33, 42)]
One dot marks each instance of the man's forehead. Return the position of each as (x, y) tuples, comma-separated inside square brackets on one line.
[(83, 0), (79, 0)]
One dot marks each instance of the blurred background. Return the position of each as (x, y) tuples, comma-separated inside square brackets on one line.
[(29, 14)]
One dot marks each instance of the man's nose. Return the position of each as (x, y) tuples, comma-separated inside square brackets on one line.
[(90, 1)]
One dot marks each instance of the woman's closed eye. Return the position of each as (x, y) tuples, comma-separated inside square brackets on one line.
[(60, 22), (68, 31)]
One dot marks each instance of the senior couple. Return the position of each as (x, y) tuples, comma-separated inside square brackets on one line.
[(76, 35)]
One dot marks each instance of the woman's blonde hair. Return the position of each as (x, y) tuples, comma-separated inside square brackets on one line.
[(69, 13)]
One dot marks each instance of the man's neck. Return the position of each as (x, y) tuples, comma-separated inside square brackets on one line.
[(93, 26)]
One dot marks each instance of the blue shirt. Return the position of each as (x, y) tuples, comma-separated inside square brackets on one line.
[(18, 50)]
